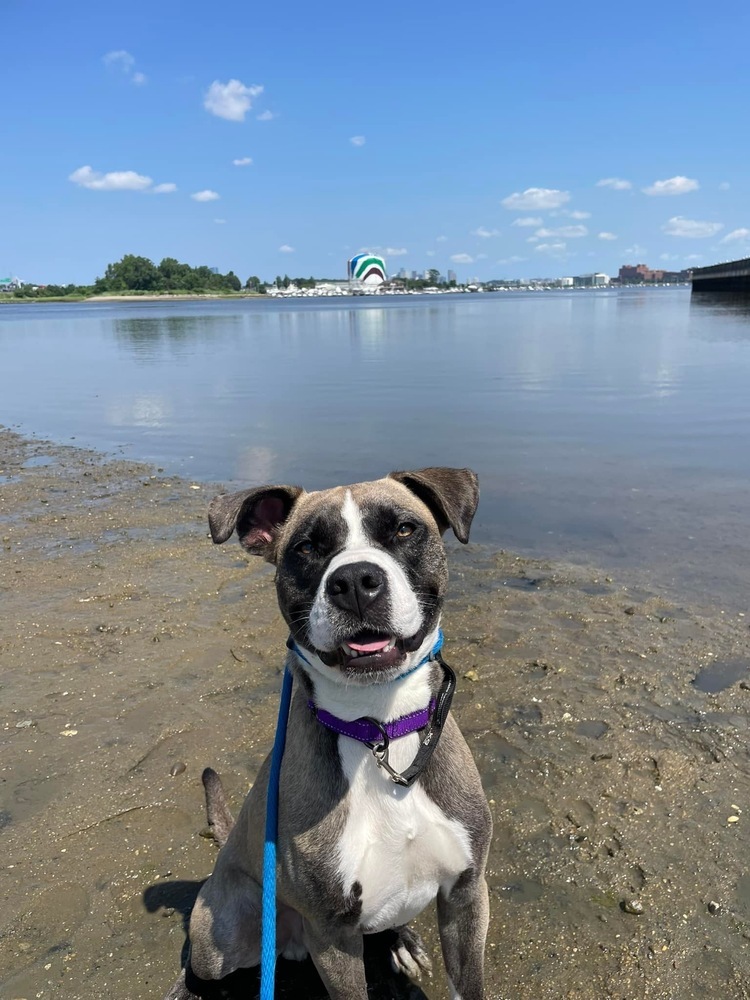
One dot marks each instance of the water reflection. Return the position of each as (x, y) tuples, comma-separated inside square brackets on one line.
[(610, 423)]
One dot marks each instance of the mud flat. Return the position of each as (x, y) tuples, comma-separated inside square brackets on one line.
[(610, 726)]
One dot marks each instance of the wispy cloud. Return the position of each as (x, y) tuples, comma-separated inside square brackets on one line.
[(462, 258), (527, 220), (220, 222), (535, 199), (243, 161), (553, 249), (385, 251), (567, 232), (672, 186), (441, 239), (207, 195), (116, 180), (607, 236), (724, 186), (358, 140), (164, 189), (285, 248), (511, 260), (484, 233), (231, 100), (615, 183), (691, 228), (266, 116), (575, 214), (736, 235), (122, 61), (636, 250)]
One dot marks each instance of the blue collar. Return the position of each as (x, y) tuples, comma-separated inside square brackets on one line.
[(291, 644)]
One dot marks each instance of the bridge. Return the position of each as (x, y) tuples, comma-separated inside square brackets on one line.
[(731, 276)]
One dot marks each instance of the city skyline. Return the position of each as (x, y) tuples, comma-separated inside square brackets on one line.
[(161, 133)]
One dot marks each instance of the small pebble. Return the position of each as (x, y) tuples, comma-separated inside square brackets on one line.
[(471, 675), (714, 908), (632, 906), (177, 768), (25, 724), (69, 732), (733, 819), (630, 611)]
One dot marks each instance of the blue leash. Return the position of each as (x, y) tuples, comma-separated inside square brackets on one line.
[(268, 912), (268, 918)]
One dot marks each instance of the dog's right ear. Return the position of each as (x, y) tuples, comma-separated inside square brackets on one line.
[(256, 515)]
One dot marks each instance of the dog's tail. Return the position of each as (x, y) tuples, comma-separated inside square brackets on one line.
[(220, 818)]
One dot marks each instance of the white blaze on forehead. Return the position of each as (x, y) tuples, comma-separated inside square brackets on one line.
[(405, 614)]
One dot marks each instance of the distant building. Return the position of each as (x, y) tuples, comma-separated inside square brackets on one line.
[(10, 284), (639, 274), (414, 275), (567, 282), (366, 268), (451, 276), (402, 273), (597, 280)]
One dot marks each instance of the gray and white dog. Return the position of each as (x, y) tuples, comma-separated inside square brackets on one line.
[(370, 832)]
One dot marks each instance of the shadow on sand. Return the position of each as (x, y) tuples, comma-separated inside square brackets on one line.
[(293, 979)]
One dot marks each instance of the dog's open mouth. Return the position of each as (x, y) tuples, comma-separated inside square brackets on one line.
[(371, 651)]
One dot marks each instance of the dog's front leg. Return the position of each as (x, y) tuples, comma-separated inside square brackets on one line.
[(463, 919), (337, 954)]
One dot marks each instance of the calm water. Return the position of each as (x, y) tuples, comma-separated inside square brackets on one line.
[(606, 427)]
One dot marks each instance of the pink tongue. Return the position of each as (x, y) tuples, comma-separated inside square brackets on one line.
[(369, 647)]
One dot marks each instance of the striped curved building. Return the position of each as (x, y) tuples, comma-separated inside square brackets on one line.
[(366, 268)]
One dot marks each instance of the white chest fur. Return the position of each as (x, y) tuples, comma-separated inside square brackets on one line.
[(397, 843)]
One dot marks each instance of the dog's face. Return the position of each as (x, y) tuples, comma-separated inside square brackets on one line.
[(361, 570)]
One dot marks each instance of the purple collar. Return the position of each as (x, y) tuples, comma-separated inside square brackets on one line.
[(367, 731)]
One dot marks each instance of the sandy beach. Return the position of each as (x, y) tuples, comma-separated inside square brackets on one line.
[(610, 727)]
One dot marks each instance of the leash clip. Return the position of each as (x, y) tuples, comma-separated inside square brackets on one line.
[(380, 752)]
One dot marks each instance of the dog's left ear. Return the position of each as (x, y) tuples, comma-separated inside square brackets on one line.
[(451, 494), (257, 515)]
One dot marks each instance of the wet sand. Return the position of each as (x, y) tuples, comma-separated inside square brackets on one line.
[(610, 727)]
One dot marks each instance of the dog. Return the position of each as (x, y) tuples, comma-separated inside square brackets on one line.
[(381, 809)]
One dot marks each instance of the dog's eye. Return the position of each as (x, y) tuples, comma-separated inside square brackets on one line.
[(404, 530), (304, 548)]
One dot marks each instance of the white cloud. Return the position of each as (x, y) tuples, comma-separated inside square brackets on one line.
[(285, 248), (511, 260), (575, 214), (220, 222), (690, 228), (735, 235), (615, 183), (673, 185), (527, 220), (607, 236), (266, 116), (117, 180), (462, 258), (358, 140), (568, 232), (441, 239), (694, 256), (481, 256), (430, 253), (230, 100), (395, 251), (122, 61), (636, 251), (553, 249), (164, 189), (119, 59), (243, 161), (485, 234), (724, 186), (206, 195), (535, 198), (669, 256)]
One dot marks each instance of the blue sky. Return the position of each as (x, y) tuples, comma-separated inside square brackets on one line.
[(471, 138)]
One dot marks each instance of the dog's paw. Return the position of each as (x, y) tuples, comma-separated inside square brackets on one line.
[(295, 951), (408, 954)]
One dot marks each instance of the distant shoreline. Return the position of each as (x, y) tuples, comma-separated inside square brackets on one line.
[(155, 297)]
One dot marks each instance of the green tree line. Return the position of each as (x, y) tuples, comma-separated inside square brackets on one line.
[(139, 274)]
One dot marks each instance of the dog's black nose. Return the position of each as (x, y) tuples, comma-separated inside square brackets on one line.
[(356, 586)]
